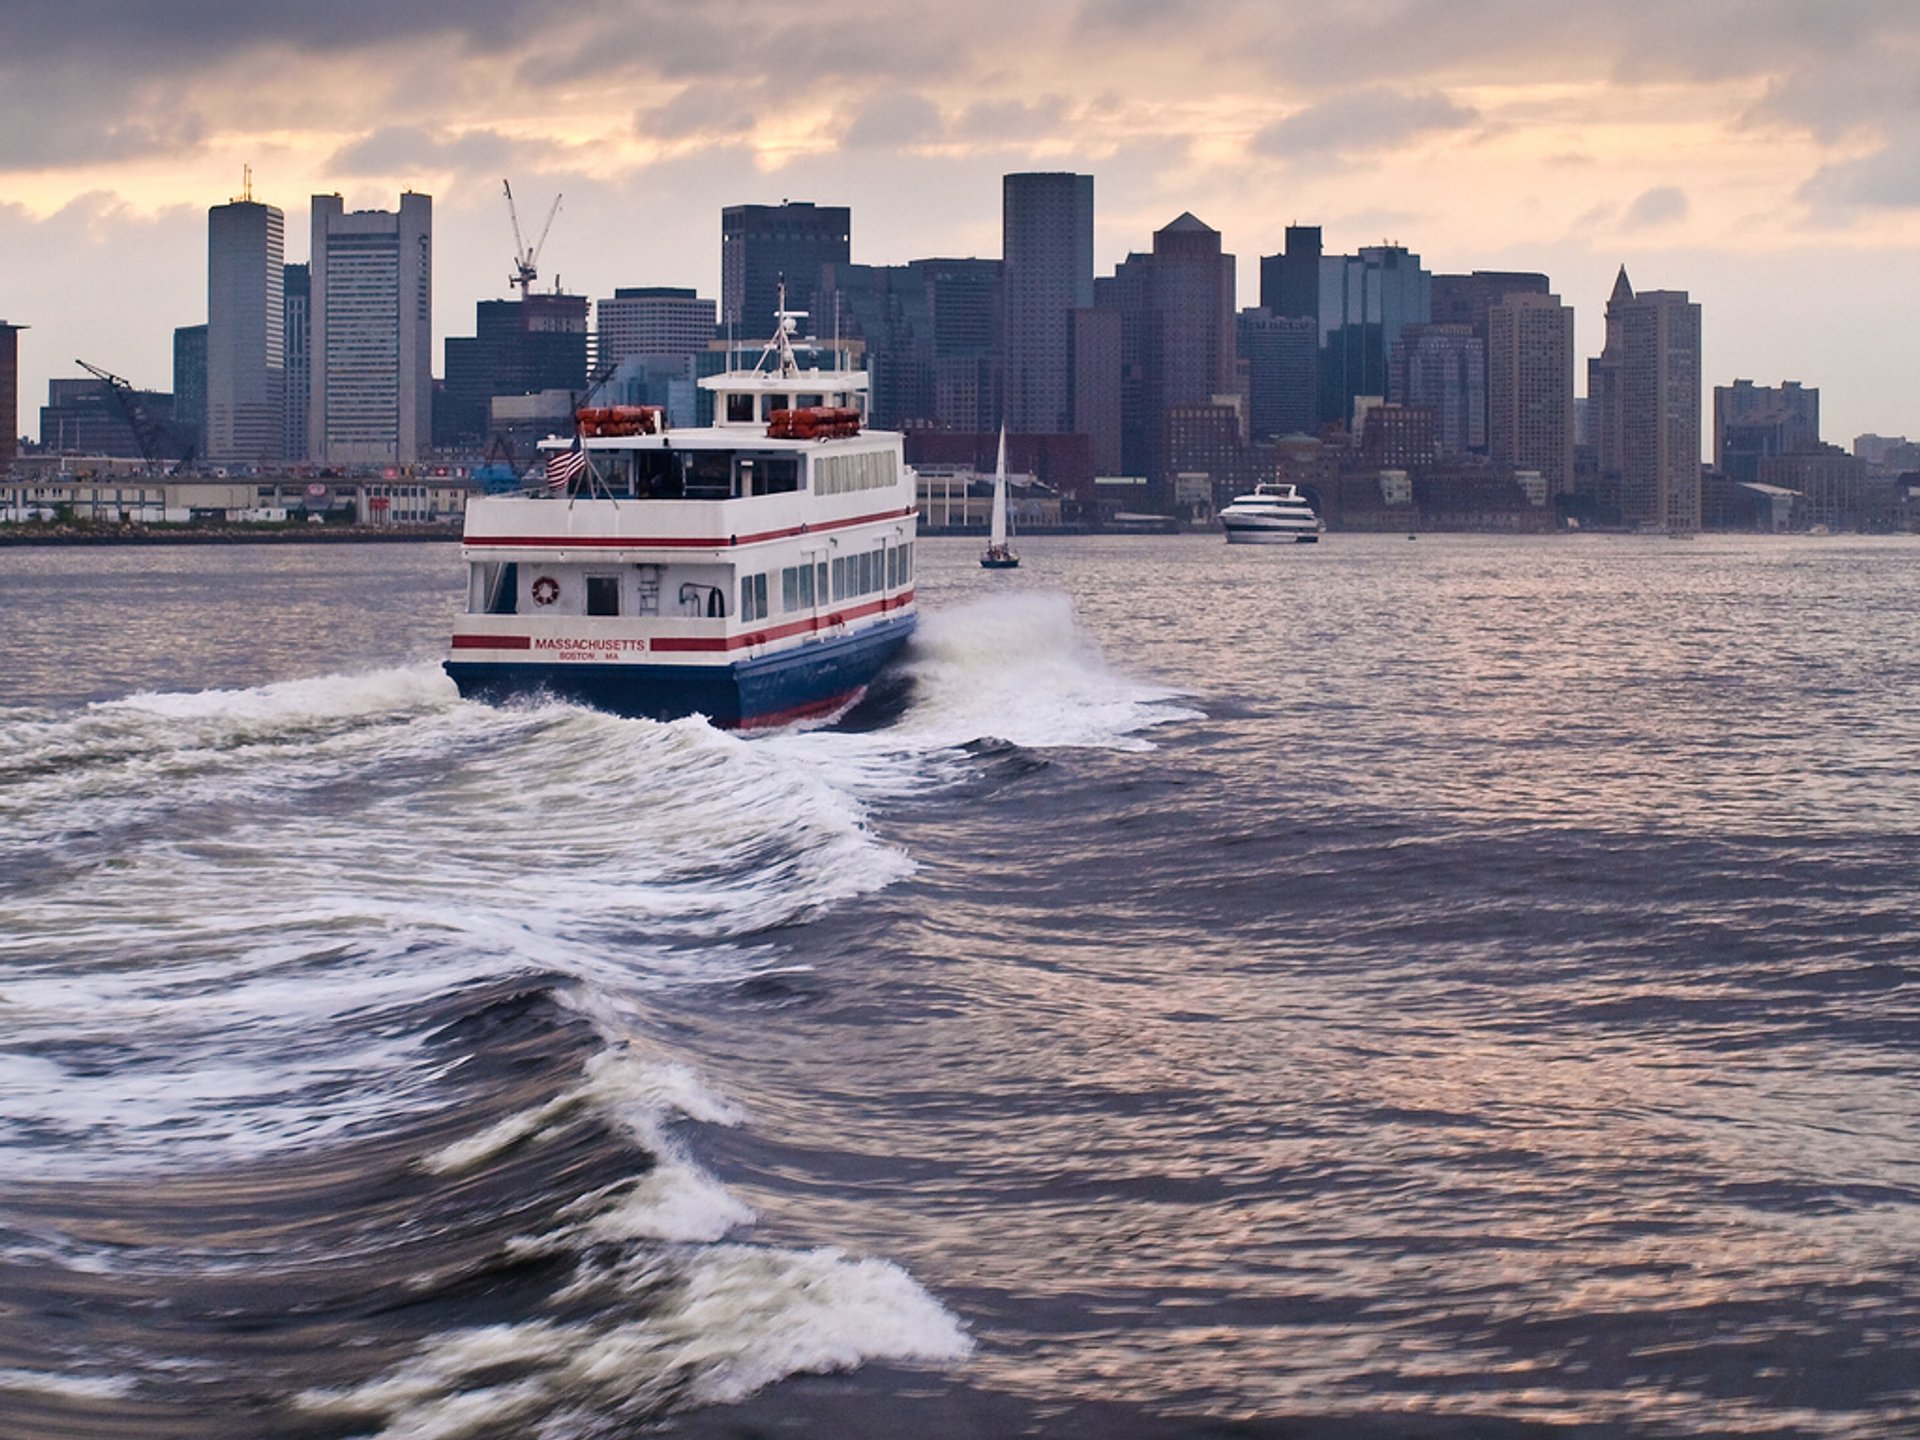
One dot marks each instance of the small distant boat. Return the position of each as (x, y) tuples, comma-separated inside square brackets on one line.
[(999, 554), (1274, 514)]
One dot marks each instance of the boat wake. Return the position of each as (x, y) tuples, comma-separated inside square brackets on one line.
[(335, 1002)]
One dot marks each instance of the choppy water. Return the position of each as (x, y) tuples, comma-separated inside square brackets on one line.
[(1464, 987)]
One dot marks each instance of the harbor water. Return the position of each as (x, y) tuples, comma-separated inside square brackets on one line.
[(1465, 987)]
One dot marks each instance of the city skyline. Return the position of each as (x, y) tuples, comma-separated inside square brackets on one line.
[(1752, 158)]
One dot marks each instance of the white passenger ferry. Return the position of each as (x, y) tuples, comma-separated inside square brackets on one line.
[(756, 571), (1274, 514)]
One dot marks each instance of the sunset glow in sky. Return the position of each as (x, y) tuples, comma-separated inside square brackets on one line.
[(1761, 154)]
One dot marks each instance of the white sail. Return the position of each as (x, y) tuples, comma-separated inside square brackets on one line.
[(997, 538)]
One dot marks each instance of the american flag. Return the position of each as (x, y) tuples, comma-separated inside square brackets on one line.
[(563, 465)]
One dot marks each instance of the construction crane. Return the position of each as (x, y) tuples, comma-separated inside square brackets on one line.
[(148, 433), (526, 256)]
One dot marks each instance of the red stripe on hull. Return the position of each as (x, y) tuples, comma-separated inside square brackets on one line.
[(493, 642), (800, 712)]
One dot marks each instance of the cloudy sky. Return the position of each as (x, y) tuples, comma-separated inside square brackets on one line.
[(1762, 154)]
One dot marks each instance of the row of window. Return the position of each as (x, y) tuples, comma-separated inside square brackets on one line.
[(845, 577), (843, 474)]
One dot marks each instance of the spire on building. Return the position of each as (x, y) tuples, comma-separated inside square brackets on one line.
[(1622, 288)]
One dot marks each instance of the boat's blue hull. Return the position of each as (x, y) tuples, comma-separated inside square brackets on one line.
[(808, 680)]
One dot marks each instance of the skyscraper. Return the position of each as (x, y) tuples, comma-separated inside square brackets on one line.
[(297, 296), (1646, 385), (1443, 368), (1176, 335), (1753, 422), (651, 320), (1366, 300), (371, 400), (246, 341), (1290, 281), (1530, 386), (9, 392), (190, 388), (1282, 354), (1047, 249), (522, 346), (761, 243)]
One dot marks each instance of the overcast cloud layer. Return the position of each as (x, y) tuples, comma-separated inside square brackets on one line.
[(1709, 145)]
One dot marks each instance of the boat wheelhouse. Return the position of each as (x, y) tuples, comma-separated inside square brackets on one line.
[(756, 571)]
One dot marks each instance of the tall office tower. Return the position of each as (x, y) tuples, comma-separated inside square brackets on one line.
[(759, 244), (1752, 422), (1444, 369), (651, 320), (1096, 385), (519, 347), (1366, 300), (1283, 367), (1646, 383), (9, 392), (1530, 409), (297, 291), (1468, 299), (1046, 221), (371, 311), (190, 388), (1176, 337), (246, 337), (1290, 281), (930, 329)]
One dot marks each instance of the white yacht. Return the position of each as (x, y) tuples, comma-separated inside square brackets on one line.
[(1274, 514)]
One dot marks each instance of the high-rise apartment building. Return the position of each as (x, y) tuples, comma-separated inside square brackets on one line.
[(1047, 255), (762, 244), (9, 392), (1530, 413), (1753, 422), (246, 337), (297, 296), (371, 397), (1646, 389), (651, 320), (1443, 368)]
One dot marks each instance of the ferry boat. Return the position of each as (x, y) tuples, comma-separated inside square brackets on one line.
[(757, 571), (1274, 514)]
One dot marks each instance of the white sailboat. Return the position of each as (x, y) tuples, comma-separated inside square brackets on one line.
[(999, 554)]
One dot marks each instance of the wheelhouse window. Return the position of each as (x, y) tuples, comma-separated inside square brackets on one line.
[(753, 597)]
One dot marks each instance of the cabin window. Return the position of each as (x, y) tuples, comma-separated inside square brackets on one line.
[(739, 409), (708, 474), (804, 574), (893, 567), (753, 597), (906, 563), (789, 589), (503, 589), (820, 581), (603, 595), (839, 577)]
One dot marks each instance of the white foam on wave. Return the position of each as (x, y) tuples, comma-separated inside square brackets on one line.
[(66, 1387), (715, 1325), (1018, 667)]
